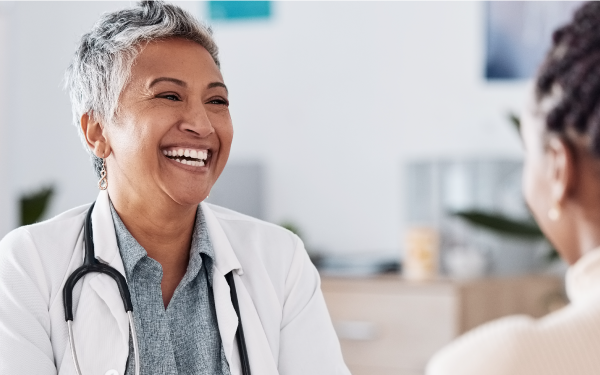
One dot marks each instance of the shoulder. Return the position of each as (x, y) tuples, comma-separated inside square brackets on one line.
[(42, 250), (556, 343), (269, 254), (48, 232), (252, 230), (487, 347)]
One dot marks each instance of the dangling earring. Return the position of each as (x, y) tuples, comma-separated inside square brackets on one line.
[(103, 183), (554, 212)]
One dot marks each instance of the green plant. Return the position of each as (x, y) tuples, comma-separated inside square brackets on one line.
[(503, 225), (34, 205), (291, 227)]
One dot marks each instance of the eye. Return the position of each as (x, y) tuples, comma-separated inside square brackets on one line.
[(172, 97), (219, 101)]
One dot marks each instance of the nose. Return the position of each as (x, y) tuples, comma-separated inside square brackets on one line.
[(195, 120)]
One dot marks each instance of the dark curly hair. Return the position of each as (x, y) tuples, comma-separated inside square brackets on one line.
[(573, 67)]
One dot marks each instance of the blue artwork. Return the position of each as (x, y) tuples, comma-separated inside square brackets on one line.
[(239, 10), (519, 34)]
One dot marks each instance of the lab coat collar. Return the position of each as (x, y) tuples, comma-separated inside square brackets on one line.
[(225, 261), (105, 243), (583, 278), (225, 258)]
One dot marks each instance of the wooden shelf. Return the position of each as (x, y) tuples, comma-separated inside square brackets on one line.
[(388, 325)]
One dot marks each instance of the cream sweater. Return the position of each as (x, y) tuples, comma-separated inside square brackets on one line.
[(564, 342)]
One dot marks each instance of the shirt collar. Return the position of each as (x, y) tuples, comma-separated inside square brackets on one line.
[(583, 277), (132, 252)]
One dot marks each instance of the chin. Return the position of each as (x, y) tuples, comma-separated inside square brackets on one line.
[(188, 197)]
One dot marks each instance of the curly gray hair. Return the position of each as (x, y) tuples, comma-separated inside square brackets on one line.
[(102, 63)]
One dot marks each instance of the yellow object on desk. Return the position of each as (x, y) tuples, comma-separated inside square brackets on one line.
[(421, 257)]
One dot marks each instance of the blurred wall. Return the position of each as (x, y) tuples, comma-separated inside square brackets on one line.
[(331, 97), (6, 202)]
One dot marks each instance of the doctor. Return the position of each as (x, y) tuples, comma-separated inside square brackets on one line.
[(152, 108)]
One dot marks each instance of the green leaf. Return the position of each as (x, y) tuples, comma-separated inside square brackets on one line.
[(34, 205), (501, 224), (515, 120)]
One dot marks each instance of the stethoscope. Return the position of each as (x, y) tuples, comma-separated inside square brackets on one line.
[(91, 264)]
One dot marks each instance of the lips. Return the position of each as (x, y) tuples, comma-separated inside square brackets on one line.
[(187, 156)]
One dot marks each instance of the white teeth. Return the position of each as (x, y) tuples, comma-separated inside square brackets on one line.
[(177, 160), (201, 156)]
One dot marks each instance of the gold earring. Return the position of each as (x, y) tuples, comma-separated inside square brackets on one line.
[(103, 183), (554, 212)]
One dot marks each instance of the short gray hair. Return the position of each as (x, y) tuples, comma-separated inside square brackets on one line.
[(102, 63)]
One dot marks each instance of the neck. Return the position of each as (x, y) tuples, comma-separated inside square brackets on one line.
[(588, 239), (162, 227)]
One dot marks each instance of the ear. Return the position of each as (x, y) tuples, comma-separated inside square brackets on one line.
[(561, 169), (94, 133)]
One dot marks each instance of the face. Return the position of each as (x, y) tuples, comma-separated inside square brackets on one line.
[(172, 133), (535, 188), (540, 184)]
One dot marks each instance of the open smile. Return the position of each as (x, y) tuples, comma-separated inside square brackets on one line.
[(187, 156)]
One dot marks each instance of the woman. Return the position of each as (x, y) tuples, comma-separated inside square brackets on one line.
[(152, 107), (561, 181)]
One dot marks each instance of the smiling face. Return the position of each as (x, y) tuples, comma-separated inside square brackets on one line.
[(172, 133)]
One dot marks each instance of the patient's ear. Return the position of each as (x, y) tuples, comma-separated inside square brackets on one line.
[(94, 134), (561, 171)]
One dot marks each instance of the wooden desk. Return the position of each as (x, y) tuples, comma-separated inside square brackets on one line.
[(387, 325)]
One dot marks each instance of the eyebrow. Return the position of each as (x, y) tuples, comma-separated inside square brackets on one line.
[(183, 84), (217, 84), (167, 79)]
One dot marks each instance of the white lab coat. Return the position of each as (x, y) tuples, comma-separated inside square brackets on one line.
[(286, 324)]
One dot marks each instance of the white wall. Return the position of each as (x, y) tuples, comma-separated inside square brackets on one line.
[(6, 201), (336, 96), (332, 96)]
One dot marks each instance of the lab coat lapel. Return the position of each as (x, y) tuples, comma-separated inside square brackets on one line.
[(260, 357), (259, 351), (225, 261), (107, 251), (100, 324)]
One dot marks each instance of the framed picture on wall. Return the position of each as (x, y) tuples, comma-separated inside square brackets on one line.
[(519, 33)]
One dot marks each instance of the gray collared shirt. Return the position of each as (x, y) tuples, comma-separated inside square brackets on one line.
[(183, 338)]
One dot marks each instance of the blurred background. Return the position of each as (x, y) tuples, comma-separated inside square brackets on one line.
[(383, 133)]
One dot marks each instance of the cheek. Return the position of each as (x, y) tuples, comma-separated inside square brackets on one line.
[(224, 130), (135, 144), (534, 188)]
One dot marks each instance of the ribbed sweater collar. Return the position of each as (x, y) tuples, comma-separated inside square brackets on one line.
[(583, 278)]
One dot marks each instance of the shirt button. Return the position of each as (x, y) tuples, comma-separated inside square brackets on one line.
[(111, 372)]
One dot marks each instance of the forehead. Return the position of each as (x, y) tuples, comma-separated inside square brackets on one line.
[(176, 58), (533, 120)]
